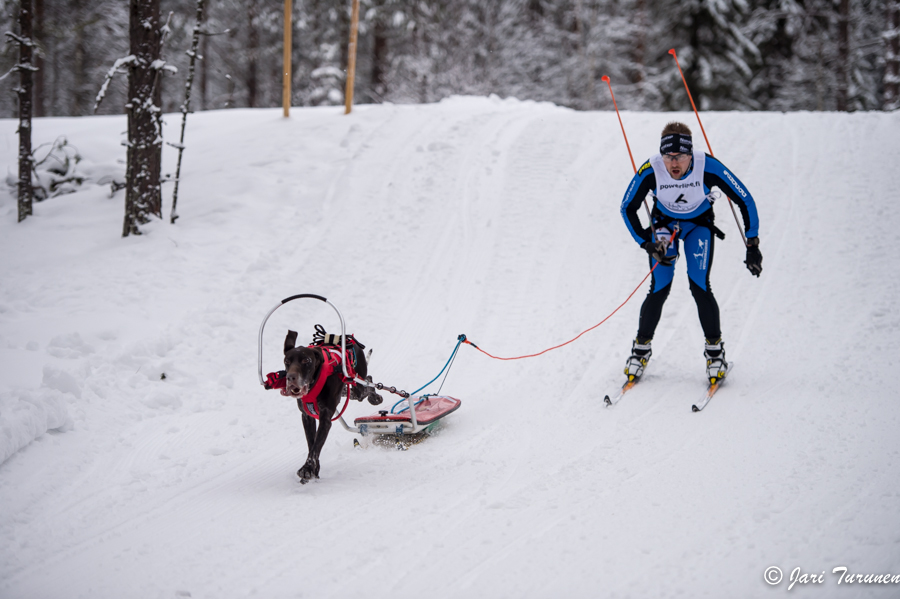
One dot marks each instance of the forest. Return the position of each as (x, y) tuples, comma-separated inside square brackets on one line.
[(772, 55)]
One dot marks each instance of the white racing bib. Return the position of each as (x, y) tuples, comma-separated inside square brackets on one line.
[(684, 195)]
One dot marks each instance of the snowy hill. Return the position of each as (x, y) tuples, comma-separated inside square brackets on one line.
[(494, 218)]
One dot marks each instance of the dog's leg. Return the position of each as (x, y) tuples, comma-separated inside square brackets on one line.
[(362, 392), (321, 436), (328, 400), (310, 467), (309, 427), (359, 391)]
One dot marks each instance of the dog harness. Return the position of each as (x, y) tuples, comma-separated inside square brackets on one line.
[(331, 361)]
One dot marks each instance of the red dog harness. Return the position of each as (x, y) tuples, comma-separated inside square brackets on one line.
[(331, 361)]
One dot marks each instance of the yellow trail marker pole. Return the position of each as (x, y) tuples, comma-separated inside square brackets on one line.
[(351, 58)]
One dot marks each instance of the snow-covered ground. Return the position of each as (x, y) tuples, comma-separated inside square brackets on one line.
[(494, 218)]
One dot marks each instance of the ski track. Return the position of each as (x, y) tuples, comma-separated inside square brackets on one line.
[(494, 218)]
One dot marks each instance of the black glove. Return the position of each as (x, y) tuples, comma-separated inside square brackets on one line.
[(657, 252), (754, 257)]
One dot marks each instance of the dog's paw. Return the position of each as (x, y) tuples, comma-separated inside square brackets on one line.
[(375, 399), (307, 473)]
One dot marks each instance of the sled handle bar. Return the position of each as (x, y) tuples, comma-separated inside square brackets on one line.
[(306, 296)]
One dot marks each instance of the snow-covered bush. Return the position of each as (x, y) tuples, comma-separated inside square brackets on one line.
[(55, 169)]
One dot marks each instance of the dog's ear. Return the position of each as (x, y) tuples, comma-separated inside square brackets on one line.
[(290, 341)]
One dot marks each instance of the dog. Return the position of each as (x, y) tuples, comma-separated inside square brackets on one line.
[(303, 368)]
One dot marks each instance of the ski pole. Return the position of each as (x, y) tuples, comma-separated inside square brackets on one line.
[(627, 145), (691, 98)]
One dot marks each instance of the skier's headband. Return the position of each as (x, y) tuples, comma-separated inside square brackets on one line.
[(676, 143)]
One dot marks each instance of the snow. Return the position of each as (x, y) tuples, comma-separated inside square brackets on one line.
[(494, 218)]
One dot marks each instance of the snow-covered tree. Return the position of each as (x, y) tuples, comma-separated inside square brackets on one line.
[(143, 197), (817, 54), (891, 37), (761, 55), (25, 69)]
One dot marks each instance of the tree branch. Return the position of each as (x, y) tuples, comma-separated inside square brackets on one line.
[(121, 62)]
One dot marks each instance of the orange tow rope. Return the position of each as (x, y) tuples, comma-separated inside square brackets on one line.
[(579, 334), (672, 240)]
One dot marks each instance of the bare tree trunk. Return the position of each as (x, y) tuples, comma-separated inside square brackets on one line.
[(186, 106), (640, 51), (252, 52), (39, 106), (587, 56), (692, 72), (420, 46), (53, 68), (345, 19), (25, 68), (143, 197), (843, 61), (892, 56), (204, 52), (377, 85), (79, 97)]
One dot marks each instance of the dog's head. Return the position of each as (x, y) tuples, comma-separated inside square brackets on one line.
[(302, 366)]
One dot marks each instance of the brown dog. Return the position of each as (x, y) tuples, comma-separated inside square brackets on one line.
[(303, 369)]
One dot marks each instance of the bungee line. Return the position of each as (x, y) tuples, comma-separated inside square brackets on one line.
[(463, 339), (459, 341), (579, 334)]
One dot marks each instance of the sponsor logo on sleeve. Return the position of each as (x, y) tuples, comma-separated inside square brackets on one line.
[(735, 184)]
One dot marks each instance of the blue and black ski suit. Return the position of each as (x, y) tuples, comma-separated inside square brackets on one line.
[(681, 206)]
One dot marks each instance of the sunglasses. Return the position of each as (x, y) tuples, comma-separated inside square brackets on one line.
[(674, 157)]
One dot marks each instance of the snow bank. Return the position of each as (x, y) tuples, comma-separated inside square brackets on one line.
[(27, 416)]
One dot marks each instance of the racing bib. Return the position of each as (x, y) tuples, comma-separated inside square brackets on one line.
[(684, 195)]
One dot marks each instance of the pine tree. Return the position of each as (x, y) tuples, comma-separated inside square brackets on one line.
[(714, 52), (143, 197), (25, 68)]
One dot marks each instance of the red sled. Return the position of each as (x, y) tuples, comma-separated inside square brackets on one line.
[(425, 415)]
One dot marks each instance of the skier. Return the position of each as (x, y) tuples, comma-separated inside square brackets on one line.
[(681, 180)]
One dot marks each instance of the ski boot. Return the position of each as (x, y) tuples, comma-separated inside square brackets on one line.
[(640, 355), (716, 366)]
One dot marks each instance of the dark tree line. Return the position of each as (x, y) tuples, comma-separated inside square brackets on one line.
[(763, 55)]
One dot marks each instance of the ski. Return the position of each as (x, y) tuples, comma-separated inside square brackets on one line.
[(711, 390), (631, 382)]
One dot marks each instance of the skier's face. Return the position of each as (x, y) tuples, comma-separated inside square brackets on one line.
[(677, 164)]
